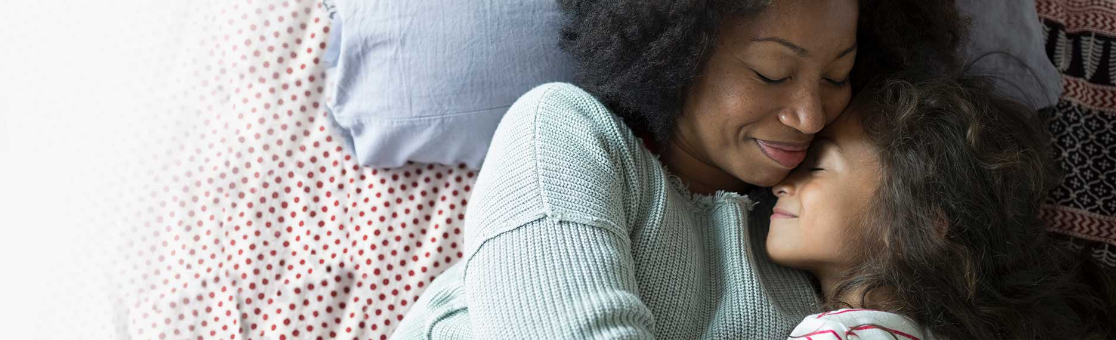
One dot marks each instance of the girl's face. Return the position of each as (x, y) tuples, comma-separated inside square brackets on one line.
[(772, 81), (823, 202)]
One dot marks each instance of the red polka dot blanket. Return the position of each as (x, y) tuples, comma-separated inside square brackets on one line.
[(257, 223)]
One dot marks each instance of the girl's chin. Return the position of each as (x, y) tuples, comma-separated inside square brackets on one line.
[(778, 250)]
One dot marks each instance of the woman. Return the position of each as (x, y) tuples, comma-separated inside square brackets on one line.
[(578, 231)]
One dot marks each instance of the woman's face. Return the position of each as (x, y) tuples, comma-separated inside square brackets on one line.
[(773, 80), (823, 203)]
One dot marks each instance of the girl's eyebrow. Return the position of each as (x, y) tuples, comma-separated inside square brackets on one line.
[(822, 141), (830, 141)]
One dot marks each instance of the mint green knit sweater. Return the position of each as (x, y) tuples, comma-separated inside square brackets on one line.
[(576, 231)]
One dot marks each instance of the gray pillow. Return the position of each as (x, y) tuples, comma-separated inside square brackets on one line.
[(428, 81), (1007, 45)]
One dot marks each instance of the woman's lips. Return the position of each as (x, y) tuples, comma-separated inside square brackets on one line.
[(787, 155)]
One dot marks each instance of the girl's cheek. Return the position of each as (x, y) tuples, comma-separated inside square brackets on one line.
[(825, 208)]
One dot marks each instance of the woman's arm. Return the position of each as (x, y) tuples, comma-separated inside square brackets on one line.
[(548, 252), (550, 279)]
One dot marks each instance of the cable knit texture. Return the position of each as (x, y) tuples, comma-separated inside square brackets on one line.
[(576, 231)]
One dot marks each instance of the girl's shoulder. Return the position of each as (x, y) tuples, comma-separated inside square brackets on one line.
[(850, 324)]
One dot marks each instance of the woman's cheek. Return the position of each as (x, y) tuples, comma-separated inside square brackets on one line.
[(836, 103)]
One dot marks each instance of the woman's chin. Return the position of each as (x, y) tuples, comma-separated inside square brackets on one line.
[(762, 175), (749, 165)]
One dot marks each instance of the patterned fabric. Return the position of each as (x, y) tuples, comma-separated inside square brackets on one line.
[(251, 221), (1081, 42), (857, 324)]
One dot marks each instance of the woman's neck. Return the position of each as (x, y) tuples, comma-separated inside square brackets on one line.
[(700, 175)]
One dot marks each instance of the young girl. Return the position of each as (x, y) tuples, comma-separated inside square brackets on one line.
[(916, 212)]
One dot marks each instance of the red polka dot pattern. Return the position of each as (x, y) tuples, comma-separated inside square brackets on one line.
[(261, 225)]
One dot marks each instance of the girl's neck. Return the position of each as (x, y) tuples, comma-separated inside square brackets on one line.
[(829, 283)]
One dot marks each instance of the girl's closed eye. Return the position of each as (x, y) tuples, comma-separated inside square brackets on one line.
[(820, 157), (811, 164)]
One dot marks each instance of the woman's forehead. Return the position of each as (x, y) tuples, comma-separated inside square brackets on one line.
[(818, 27)]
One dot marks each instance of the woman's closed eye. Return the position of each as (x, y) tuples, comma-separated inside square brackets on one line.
[(770, 80), (838, 83), (773, 81)]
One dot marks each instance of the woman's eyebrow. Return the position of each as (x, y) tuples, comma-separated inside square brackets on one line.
[(801, 52), (847, 51)]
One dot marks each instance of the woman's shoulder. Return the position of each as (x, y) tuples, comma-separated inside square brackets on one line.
[(568, 124), (858, 324), (559, 91), (559, 150), (564, 108)]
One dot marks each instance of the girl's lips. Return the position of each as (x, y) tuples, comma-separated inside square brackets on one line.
[(780, 213), (787, 155)]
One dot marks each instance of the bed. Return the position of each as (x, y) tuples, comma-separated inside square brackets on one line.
[(259, 224)]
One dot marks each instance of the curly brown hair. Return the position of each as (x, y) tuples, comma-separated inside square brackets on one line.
[(639, 57), (953, 239)]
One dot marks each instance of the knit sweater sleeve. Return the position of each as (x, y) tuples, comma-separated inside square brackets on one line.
[(547, 248)]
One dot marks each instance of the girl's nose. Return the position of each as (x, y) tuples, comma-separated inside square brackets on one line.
[(784, 188)]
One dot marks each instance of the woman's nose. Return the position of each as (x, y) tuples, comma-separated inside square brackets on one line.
[(806, 114)]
